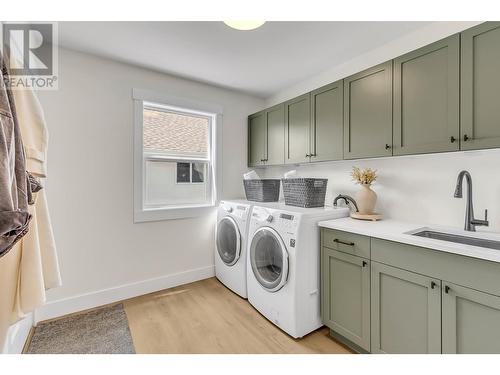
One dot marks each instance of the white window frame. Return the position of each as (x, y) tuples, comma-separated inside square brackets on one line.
[(213, 177)]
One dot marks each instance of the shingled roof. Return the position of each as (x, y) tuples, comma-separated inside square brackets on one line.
[(166, 132)]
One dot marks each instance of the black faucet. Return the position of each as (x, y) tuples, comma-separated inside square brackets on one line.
[(346, 199), (470, 221)]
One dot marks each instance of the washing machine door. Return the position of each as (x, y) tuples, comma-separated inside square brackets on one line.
[(269, 259), (228, 240)]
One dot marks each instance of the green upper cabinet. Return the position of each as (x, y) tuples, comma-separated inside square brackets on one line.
[(471, 321), (426, 99), (257, 139), (368, 113), (405, 311), (297, 129), (480, 82), (442, 97), (327, 122), (266, 137), (275, 135)]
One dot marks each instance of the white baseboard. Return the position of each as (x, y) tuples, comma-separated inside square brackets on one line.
[(17, 335), (87, 301)]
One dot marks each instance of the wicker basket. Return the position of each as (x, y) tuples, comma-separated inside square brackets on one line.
[(266, 190), (305, 192)]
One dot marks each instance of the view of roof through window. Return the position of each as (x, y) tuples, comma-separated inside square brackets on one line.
[(175, 134)]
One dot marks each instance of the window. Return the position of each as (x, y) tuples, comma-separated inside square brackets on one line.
[(190, 173), (174, 160)]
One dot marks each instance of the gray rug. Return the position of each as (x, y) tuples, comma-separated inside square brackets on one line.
[(103, 331)]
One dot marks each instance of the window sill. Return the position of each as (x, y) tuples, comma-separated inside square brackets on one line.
[(172, 213)]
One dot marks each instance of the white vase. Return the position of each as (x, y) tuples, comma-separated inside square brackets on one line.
[(366, 200)]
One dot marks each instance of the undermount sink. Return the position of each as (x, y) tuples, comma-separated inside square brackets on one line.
[(449, 237)]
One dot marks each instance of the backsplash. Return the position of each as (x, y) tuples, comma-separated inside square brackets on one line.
[(417, 188)]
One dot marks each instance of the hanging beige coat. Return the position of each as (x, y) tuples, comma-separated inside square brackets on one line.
[(39, 267)]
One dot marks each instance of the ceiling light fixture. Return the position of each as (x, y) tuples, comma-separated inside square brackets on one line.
[(244, 25)]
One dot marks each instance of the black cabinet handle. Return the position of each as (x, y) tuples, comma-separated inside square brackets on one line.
[(313, 155), (364, 264), (336, 240), (433, 284), (452, 139), (308, 155), (466, 138), (447, 289), (387, 146)]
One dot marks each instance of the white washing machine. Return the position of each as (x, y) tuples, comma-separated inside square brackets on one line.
[(231, 244), (283, 265)]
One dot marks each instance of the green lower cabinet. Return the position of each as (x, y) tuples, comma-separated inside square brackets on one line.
[(405, 311), (345, 297), (471, 321)]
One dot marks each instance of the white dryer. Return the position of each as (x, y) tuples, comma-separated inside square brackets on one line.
[(231, 244), (283, 265)]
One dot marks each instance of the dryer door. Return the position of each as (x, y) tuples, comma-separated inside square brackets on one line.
[(269, 259), (228, 241)]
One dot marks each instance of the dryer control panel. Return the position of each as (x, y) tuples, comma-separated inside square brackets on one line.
[(241, 212)]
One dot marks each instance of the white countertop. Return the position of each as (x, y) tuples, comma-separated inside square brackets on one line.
[(394, 230)]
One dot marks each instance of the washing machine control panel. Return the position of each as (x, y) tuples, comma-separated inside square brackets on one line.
[(288, 221)]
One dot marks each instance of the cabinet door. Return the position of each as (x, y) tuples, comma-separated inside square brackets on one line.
[(426, 99), (257, 139), (471, 321), (327, 122), (480, 81), (275, 135), (297, 126), (345, 295), (368, 113), (405, 312)]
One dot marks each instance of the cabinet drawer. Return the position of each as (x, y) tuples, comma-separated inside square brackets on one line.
[(346, 242), (470, 272)]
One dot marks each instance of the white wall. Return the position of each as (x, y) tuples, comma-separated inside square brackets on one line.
[(16, 336), (90, 180), (419, 38), (417, 188)]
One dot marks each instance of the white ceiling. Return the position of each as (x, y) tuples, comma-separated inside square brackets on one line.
[(259, 62)]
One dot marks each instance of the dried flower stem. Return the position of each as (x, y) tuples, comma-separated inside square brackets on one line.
[(365, 177)]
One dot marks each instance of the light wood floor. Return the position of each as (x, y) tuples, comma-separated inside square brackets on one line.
[(206, 317)]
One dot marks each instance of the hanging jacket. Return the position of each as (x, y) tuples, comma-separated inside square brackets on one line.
[(14, 215)]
